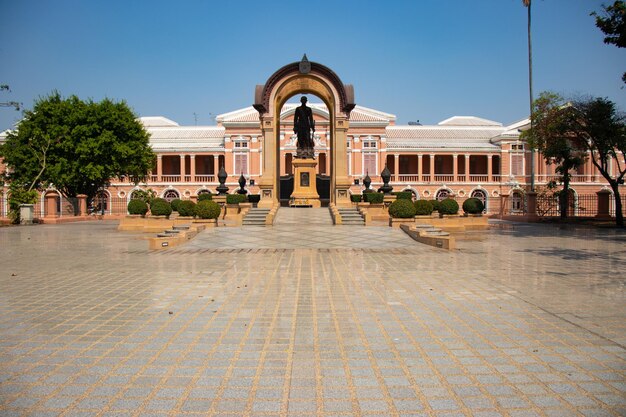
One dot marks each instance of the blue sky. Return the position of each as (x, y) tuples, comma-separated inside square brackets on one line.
[(419, 59)]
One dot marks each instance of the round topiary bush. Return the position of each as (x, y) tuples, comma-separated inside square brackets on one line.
[(205, 197), (160, 207), (402, 209), (448, 206), (473, 206), (186, 208), (208, 209), (235, 198), (423, 208), (174, 203), (137, 207)]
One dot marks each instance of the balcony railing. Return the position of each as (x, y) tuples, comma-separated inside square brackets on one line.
[(479, 178), (205, 178), (444, 178), (170, 178), (408, 178)]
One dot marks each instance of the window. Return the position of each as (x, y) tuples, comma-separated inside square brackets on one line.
[(517, 147), (442, 194), (517, 164), (369, 144), (241, 144), (369, 164), (241, 163), (170, 195)]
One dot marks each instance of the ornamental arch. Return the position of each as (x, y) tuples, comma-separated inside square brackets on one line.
[(304, 77)]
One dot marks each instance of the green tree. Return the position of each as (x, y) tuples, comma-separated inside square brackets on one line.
[(601, 130), (77, 145), (551, 134), (612, 22)]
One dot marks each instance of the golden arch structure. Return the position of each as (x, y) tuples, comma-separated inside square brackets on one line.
[(304, 78)]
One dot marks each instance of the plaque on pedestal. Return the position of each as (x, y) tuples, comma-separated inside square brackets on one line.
[(304, 184)]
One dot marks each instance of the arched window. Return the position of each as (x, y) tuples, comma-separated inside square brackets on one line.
[(517, 202), (204, 192), (100, 203), (170, 195), (442, 194)]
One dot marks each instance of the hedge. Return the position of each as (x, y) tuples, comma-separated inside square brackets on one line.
[(423, 208), (160, 207), (137, 207), (208, 209), (254, 198), (402, 209), (205, 197), (374, 198), (186, 208), (174, 203), (473, 206), (435, 204), (355, 198), (235, 198), (448, 206), (404, 195)]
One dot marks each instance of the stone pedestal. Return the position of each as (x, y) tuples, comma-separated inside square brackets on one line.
[(27, 213), (51, 205), (82, 204), (304, 184)]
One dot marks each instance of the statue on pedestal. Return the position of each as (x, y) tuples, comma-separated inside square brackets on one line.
[(304, 127)]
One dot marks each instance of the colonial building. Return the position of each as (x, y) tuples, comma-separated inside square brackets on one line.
[(464, 156)]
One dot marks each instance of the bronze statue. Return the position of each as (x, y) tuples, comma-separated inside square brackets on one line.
[(304, 127)]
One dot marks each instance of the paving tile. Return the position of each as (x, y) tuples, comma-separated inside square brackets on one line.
[(307, 319)]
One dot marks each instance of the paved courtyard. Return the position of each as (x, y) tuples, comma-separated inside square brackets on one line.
[(317, 320)]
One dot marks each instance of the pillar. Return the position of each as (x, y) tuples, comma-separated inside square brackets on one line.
[(455, 168), (396, 167), (192, 168), (604, 197), (182, 168), (216, 166), (159, 168), (432, 167), (467, 167), (82, 204), (340, 170), (268, 181), (531, 204), (51, 205), (419, 168), (489, 168)]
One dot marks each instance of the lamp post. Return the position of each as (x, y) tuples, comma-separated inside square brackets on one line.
[(527, 3)]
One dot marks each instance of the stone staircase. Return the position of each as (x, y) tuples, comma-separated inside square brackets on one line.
[(256, 217), (351, 217)]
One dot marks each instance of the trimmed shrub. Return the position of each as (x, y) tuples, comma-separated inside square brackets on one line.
[(235, 198), (174, 203), (473, 206), (404, 195), (374, 198), (423, 208), (208, 209), (160, 207), (254, 198), (448, 206), (186, 208), (435, 204), (205, 197), (355, 198), (137, 207), (402, 209), (158, 200)]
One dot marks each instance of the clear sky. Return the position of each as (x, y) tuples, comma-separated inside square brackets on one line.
[(417, 59)]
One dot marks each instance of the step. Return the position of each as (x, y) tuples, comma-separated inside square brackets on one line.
[(181, 227)]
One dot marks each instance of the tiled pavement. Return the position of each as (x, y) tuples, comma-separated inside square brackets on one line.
[(517, 322)]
